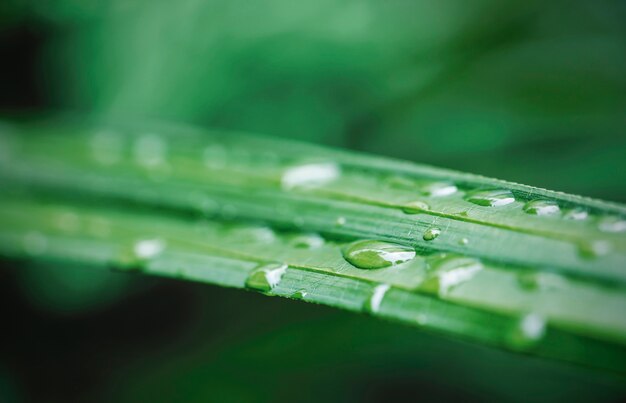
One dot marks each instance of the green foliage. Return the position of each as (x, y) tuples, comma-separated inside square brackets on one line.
[(503, 264)]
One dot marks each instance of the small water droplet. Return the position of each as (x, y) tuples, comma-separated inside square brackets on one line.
[(491, 198), (463, 241), (431, 233), (594, 249), (149, 150), (533, 281), (437, 189), (530, 329), (369, 254), (612, 224), (577, 214), (148, 248), (299, 295), (136, 257), (373, 303), (307, 241), (35, 243), (542, 207), (341, 221), (266, 277), (310, 175), (415, 207), (449, 271)]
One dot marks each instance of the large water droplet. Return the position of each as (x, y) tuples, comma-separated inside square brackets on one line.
[(542, 207), (265, 277), (612, 224), (375, 300), (415, 207), (369, 254), (310, 175), (491, 198), (431, 233), (447, 272)]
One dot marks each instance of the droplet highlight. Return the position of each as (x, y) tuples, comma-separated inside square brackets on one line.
[(373, 303)]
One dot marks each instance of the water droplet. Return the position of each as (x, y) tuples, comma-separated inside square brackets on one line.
[(529, 330), (266, 277), (447, 272), (415, 207), (463, 241), (136, 257), (149, 150), (106, 147), (431, 233), (35, 243), (373, 302), (307, 241), (341, 221), (400, 182), (532, 281), (310, 175), (593, 249), (369, 254), (612, 224), (577, 214), (299, 295), (542, 207), (148, 248), (437, 189), (491, 198)]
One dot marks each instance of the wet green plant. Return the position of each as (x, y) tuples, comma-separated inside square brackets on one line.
[(498, 263)]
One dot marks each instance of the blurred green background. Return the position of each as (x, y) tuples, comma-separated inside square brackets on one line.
[(532, 92)]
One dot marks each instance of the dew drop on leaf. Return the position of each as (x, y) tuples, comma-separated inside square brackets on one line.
[(576, 214), (265, 277), (370, 254), (415, 207), (449, 271), (612, 224), (491, 198), (431, 233), (542, 207)]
